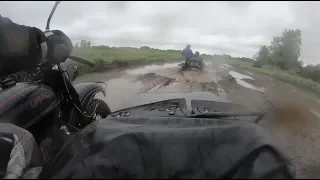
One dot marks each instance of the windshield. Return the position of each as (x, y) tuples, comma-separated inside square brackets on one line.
[(259, 54)]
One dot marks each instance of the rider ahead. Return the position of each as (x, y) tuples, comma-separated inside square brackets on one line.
[(187, 52)]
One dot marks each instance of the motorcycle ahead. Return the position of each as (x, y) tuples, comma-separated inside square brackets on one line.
[(48, 105)]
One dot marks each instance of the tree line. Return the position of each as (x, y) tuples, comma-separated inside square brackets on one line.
[(83, 44), (87, 44), (284, 52)]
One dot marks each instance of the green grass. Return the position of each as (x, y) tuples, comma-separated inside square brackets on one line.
[(282, 75), (105, 56)]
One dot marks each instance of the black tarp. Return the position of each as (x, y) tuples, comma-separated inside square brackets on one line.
[(170, 148)]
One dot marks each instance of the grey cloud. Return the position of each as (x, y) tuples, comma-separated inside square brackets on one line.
[(232, 27), (118, 6)]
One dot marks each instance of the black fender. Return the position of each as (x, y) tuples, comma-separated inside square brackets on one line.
[(87, 91), (84, 93)]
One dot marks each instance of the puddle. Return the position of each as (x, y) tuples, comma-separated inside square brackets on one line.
[(152, 68), (238, 77), (211, 70), (124, 84), (224, 66), (118, 90)]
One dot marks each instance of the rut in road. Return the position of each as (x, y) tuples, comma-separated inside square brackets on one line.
[(152, 80), (176, 80)]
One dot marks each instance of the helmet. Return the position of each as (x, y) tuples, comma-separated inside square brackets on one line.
[(197, 53), (188, 46)]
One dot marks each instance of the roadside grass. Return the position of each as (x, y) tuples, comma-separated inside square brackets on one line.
[(285, 76), (122, 56)]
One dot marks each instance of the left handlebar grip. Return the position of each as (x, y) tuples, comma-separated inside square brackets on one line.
[(81, 60)]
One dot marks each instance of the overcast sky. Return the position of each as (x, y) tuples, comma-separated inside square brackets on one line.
[(235, 28)]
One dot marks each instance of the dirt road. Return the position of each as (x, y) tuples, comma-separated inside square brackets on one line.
[(292, 113)]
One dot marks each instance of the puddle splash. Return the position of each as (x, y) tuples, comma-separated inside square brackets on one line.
[(238, 77), (151, 68)]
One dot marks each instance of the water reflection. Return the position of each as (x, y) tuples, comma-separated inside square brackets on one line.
[(239, 79)]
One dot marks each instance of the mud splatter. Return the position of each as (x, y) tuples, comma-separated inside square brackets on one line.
[(209, 87)]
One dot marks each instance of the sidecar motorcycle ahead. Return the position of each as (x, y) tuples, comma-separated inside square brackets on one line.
[(194, 62)]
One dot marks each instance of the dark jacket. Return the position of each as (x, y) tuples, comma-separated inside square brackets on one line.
[(20, 46), (187, 53)]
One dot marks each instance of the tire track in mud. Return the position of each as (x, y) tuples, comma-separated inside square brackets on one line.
[(207, 86), (152, 80), (181, 81)]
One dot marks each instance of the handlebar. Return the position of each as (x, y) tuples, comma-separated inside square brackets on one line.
[(75, 58), (81, 60)]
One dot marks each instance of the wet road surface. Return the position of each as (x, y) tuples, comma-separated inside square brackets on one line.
[(292, 113)]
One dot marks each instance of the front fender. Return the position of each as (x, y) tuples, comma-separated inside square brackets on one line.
[(87, 91)]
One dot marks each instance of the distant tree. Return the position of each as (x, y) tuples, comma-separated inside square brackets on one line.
[(81, 44), (84, 43), (284, 51), (77, 45), (88, 44), (262, 57)]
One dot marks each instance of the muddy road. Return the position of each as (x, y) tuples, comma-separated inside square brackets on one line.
[(292, 114)]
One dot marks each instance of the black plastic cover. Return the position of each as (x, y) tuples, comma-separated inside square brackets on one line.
[(170, 148)]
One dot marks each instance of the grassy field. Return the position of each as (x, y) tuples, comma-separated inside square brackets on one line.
[(282, 75), (122, 56)]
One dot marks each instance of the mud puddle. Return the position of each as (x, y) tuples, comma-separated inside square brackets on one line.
[(152, 81), (240, 80), (120, 89), (224, 66), (151, 68), (168, 77)]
